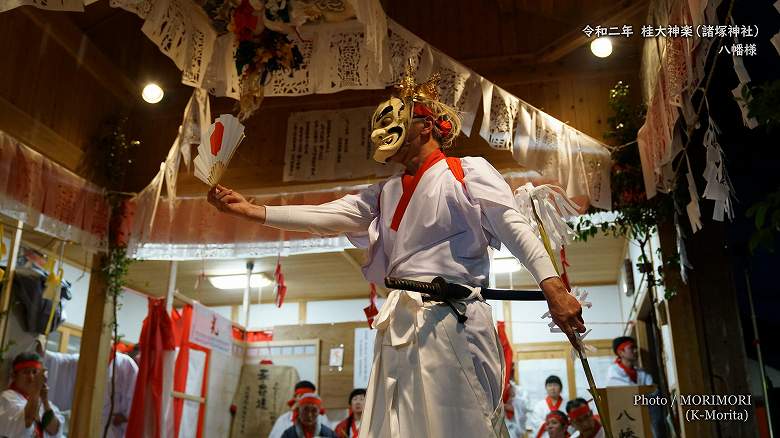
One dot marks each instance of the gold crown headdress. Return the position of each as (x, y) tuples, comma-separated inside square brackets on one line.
[(408, 89)]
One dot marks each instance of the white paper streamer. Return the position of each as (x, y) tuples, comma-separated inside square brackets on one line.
[(172, 162), (553, 208), (694, 214), (195, 124), (718, 186)]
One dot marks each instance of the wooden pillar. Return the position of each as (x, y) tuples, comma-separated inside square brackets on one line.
[(5, 300), (302, 312), (715, 305), (87, 416), (172, 271), (234, 314), (685, 338)]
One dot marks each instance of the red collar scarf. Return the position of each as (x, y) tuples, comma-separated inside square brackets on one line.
[(630, 372), (551, 406), (355, 430), (409, 183)]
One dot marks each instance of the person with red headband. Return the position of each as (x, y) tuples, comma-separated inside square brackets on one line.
[(555, 425), (350, 426), (284, 421), (308, 422), (25, 409), (552, 402), (583, 420), (624, 372), (435, 373)]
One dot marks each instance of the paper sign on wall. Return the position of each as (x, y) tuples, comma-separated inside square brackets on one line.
[(364, 356), (211, 330)]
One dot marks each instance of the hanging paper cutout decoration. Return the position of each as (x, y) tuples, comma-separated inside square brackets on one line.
[(694, 214), (280, 290), (215, 151), (371, 311), (718, 186)]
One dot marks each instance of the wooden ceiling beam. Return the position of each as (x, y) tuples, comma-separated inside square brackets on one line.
[(86, 54), (620, 12), (38, 136)]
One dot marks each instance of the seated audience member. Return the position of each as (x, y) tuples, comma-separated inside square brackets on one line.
[(624, 372), (308, 422), (350, 427), (583, 420), (554, 401), (555, 425), (25, 410), (287, 419)]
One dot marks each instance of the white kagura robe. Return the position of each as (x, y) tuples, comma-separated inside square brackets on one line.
[(12, 406), (62, 377), (431, 377), (617, 377)]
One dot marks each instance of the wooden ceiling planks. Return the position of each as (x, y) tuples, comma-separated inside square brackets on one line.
[(50, 99)]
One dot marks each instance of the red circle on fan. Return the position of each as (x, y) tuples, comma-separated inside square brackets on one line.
[(216, 137)]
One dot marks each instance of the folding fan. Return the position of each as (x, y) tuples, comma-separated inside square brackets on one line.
[(215, 151)]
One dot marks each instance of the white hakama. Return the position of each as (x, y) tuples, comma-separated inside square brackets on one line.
[(432, 376)]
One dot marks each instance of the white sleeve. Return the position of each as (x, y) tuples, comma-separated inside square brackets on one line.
[(485, 185), (282, 423), (12, 419), (514, 231), (534, 420), (352, 213)]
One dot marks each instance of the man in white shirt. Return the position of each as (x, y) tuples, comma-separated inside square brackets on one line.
[(552, 402), (284, 421), (25, 409), (624, 372), (432, 375)]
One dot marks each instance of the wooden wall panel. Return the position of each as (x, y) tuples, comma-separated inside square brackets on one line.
[(335, 385)]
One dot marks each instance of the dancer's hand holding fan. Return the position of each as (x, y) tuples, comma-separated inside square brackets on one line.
[(216, 150)]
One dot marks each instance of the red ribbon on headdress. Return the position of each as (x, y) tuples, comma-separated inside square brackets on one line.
[(444, 126), (298, 392), (27, 364), (624, 345), (579, 412), (310, 400), (559, 416)]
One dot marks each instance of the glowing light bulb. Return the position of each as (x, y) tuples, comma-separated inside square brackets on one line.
[(601, 47), (152, 93)]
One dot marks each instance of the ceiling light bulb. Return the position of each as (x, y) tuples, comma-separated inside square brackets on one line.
[(152, 93), (601, 47), (238, 281)]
